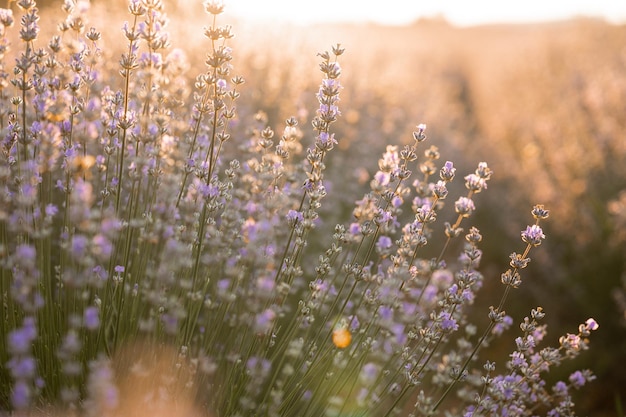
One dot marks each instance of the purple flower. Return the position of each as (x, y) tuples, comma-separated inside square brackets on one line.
[(533, 235), (223, 285), (6, 17), (337, 69), (308, 185), (539, 333), (100, 272), (577, 379), (591, 324), (464, 206), (505, 385), (425, 214), (65, 126), (306, 395), (383, 178), (71, 342), (264, 321), (518, 360), (20, 397), (385, 313), (483, 171), (265, 284), (467, 295), (102, 246), (447, 172), (327, 141), (475, 183), (554, 413), (25, 255), (21, 339), (110, 226), (91, 318), (398, 331), (22, 367), (79, 246), (453, 289), (560, 388), (440, 190), (369, 373), (447, 322), (354, 323), (250, 228), (84, 191), (442, 277), (258, 367), (252, 208), (384, 242), (209, 191), (51, 210), (331, 85), (354, 229), (294, 216)]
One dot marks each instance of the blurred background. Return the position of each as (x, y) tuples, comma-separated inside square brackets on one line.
[(537, 91)]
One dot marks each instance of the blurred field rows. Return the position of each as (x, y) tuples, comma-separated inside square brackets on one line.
[(542, 104)]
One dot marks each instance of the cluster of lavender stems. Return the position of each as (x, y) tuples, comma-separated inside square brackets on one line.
[(154, 258)]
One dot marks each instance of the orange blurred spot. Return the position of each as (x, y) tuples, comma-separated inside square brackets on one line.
[(342, 338)]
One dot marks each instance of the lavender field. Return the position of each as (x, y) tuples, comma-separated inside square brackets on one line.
[(207, 216)]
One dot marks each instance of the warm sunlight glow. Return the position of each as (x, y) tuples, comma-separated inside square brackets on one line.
[(398, 12)]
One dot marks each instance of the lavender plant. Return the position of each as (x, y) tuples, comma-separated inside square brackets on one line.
[(153, 261)]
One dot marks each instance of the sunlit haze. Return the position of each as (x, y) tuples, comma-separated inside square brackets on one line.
[(398, 12)]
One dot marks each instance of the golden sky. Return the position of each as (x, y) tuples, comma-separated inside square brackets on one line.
[(459, 12)]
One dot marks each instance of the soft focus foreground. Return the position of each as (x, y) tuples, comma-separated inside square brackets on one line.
[(165, 251)]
